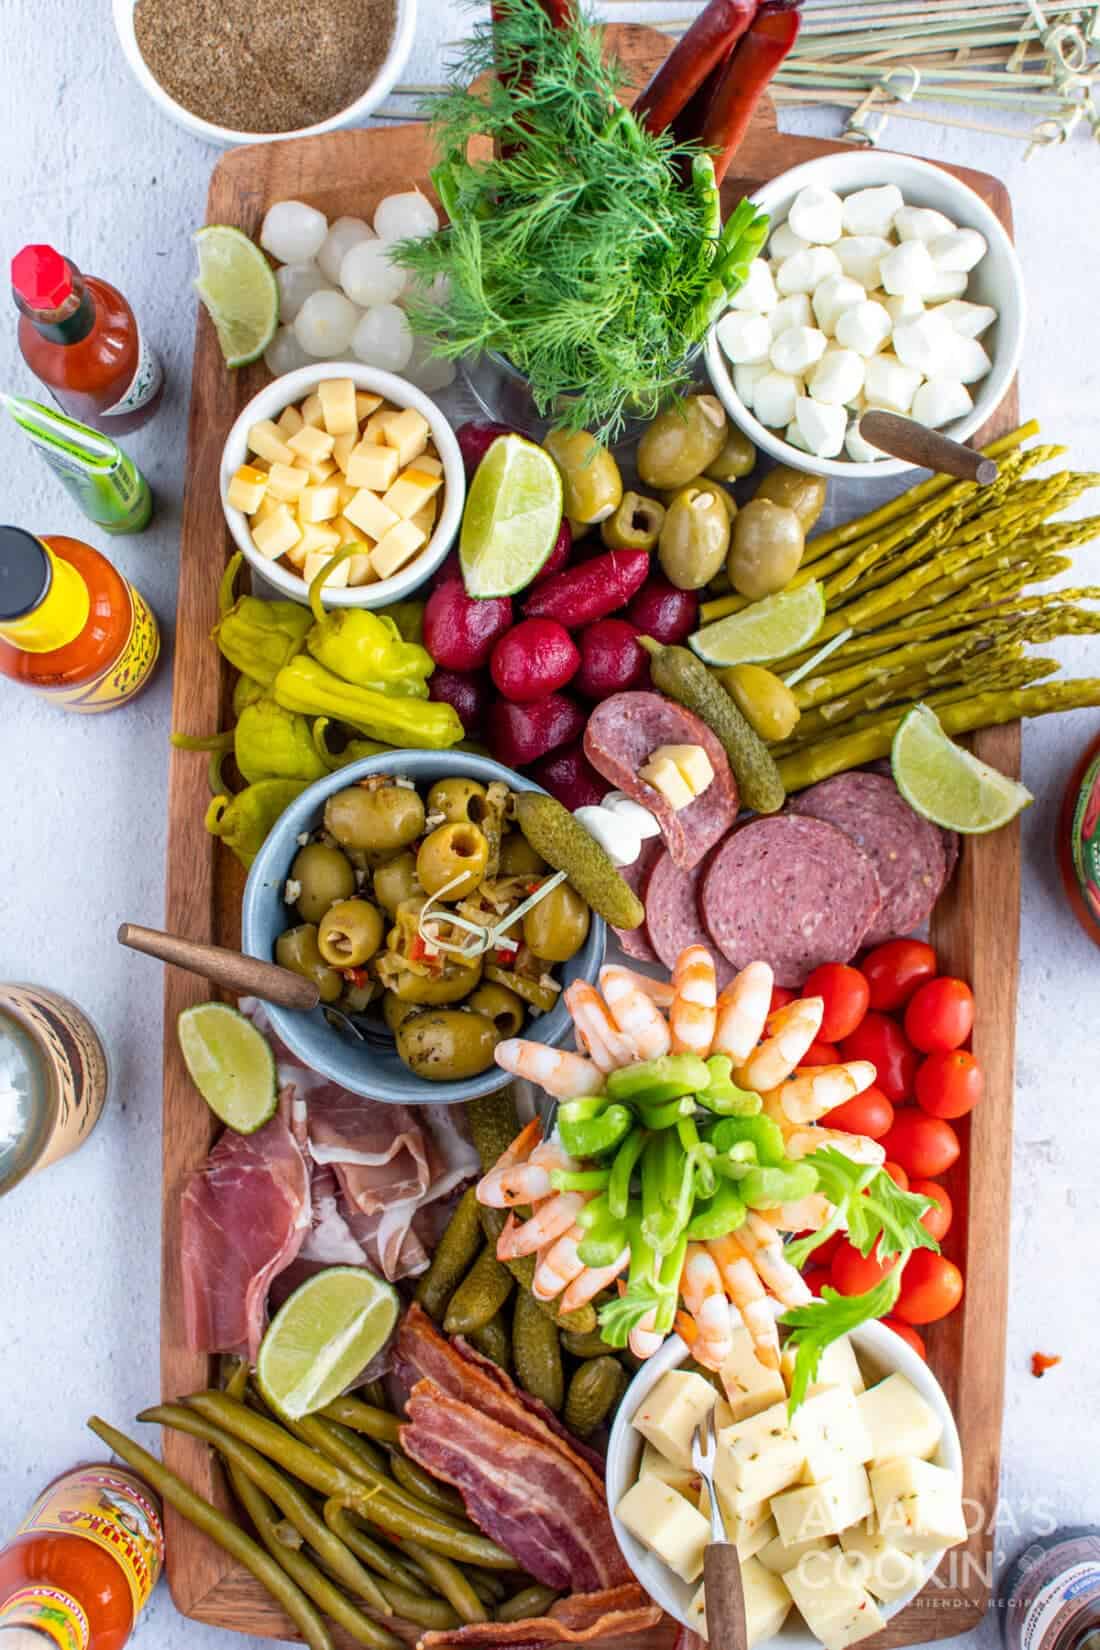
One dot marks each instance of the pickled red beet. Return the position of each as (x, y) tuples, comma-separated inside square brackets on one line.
[(534, 658), (468, 691), (612, 659), (518, 734), (475, 438), (663, 612), (559, 555), (450, 568), (459, 631), (570, 776)]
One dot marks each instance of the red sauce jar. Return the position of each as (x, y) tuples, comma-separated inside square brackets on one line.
[(1079, 841)]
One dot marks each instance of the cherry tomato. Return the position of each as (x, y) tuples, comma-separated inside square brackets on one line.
[(846, 995), (814, 1277), (824, 1252), (869, 1113), (931, 1287), (894, 971), (897, 1175), (924, 1146), (821, 1053), (940, 1016), (938, 1219), (883, 1042), (908, 1335), (780, 998), (949, 1084), (853, 1273)]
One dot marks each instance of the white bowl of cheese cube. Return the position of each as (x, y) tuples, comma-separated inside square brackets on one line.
[(840, 1515), (256, 434), (993, 284)]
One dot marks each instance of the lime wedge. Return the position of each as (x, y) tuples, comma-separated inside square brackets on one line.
[(766, 630), (237, 285), (513, 512), (323, 1337), (230, 1063), (948, 785)]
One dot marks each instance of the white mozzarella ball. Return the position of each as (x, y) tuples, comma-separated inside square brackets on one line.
[(369, 276), (838, 377), (872, 211), (920, 223), (902, 307), (908, 271), (646, 824), (406, 216), (960, 249), (804, 271), (821, 426), (940, 401), (793, 436), (815, 215), (775, 398), (295, 283), (925, 342), (745, 379), (325, 323), (293, 232), (969, 360), (971, 320), (617, 835), (946, 285), (785, 243), (861, 257), (285, 353), (383, 339), (797, 348), (860, 450), (342, 236), (832, 297), (863, 327), (889, 383), (792, 311), (744, 336), (758, 292)]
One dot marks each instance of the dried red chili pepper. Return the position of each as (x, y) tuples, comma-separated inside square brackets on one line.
[(1042, 1361)]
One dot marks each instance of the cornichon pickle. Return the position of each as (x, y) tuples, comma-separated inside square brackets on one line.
[(493, 1341), (537, 1352), (554, 833), (480, 1295), (584, 1346), (453, 1254), (582, 1321), (686, 679), (493, 1125), (531, 1603), (593, 1390)]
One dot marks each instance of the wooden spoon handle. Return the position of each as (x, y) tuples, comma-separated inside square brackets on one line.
[(245, 975), (916, 444), (725, 1597)]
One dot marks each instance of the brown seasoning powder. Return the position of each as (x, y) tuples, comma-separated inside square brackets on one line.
[(275, 66)]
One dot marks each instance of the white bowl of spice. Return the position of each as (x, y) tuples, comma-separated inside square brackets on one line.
[(231, 72)]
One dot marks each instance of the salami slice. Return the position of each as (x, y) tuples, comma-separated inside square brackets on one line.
[(635, 941), (906, 849), (793, 892), (672, 915), (622, 734)]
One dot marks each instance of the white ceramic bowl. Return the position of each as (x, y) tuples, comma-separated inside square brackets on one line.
[(225, 137), (293, 387), (998, 281), (880, 1353)]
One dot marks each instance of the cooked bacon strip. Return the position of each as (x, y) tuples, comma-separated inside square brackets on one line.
[(576, 1620), (533, 1405)]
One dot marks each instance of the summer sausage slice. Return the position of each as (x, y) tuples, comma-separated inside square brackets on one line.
[(672, 915), (907, 850), (621, 736), (635, 941), (789, 891)]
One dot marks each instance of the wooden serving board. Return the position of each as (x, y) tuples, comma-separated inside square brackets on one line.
[(974, 928)]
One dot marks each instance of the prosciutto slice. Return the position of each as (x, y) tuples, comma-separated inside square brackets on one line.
[(579, 1619)]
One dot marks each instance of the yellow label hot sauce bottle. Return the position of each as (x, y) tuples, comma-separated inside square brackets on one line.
[(71, 626)]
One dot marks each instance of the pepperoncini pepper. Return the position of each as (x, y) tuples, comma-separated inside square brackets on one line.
[(260, 637), (272, 743), (243, 821), (408, 617), (246, 690), (367, 650), (305, 686)]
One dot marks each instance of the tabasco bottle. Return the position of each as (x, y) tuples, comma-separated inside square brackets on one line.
[(79, 336), (71, 626), (82, 1564)]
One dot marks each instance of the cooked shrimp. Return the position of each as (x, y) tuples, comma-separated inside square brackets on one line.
[(745, 1290), (791, 1030), (558, 1264), (595, 1028), (635, 1013), (809, 1214), (594, 1278), (658, 991), (565, 1075), (705, 1298), (644, 1340), (694, 1000), (859, 1147), (743, 1011), (509, 1161), (549, 1221), (764, 1248), (526, 1180), (814, 1090)]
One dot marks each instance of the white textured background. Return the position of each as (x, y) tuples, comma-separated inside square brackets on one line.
[(89, 164)]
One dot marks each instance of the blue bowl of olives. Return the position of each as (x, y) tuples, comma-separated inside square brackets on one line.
[(336, 893)]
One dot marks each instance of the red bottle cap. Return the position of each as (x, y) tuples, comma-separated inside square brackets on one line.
[(41, 277)]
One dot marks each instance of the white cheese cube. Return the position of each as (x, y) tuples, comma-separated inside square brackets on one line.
[(917, 1505), (795, 349), (825, 1508), (832, 1602), (744, 336), (887, 1570), (889, 383), (666, 777), (397, 547), (312, 411), (338, 406), (779, 1558), (371, 465), (276, 534), (360, 570), (318, 503), (926, 342), (366, 403), (908, 271), (969, 360), (749, 1524), (861, 257), (336, 580), (940, 401), (750, 1386), (684, 1480), (767, 1602), (898, 1420), (969, 320), (311, 445), (902, 306), (289, 421), (746, 376), (872, 211), (287, 482), (759, 1456), (268, 442), (830, 1418), (839, 1366), (837, 378), (775, 398), (693, 765), (920, 223), (793, 311), (343, 447), (959, 250), (367, 512), (816, 215), (832, 297), (408, 431), (859, 450), (946, 285), (805, 271), (411, 492), (821, 426), (697, 1611), (757, 293), (863, 327), (670, 1413), (667, 1524), (247, 488), (784, 243), (347, 532)]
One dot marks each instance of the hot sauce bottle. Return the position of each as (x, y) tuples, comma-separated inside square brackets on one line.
[(82, 1564), (78, 335), (71, 626)]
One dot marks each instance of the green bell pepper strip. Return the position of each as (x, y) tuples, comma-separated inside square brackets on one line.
[(763, 1188), (367, 649), (580, 1180), (306, 686), (719, 1215), (665, 1114), (272, 743), (596, 1135), (722, 1095), (655, 1081), (764, 1133), (622, 1171), (580, 1111)]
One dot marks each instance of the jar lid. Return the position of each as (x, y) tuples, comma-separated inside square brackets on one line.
[(41, 277), (25, 573)]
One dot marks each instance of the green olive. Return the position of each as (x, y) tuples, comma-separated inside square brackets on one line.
[(349, 933), (766, 702), (383, 820), (452, 851), (592, 487), (297, 949), (395, 1010), (636, 524), (503, 1007), (767, 547), (798, 491), (447, 1046), (458, 800), (557, 927), (518, 858), (702, 485), (449, 987), (396, 881), (682, 441), (736, 459), (325, 875), (694, 538)]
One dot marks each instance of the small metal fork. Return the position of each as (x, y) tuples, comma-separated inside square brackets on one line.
[(723, 1593)]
